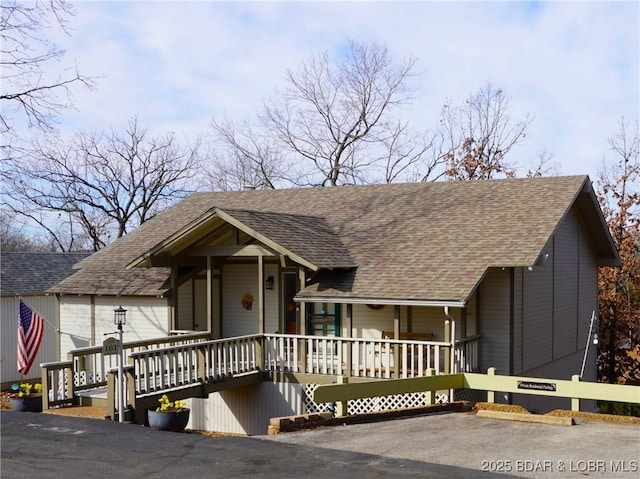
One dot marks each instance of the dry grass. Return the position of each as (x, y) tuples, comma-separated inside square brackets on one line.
[(4, 400), (588, 416), (489, 406)]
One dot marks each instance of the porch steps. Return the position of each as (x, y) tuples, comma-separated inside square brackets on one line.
[(93, 397)]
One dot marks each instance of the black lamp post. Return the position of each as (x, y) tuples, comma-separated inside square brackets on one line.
[(119, 319)]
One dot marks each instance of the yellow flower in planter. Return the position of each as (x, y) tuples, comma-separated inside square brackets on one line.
[(25, 390), (168, 406)]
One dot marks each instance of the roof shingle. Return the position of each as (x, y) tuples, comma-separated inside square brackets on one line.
[(423, 241), (26, 273)]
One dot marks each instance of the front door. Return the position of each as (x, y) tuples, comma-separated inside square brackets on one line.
[(290, 288)]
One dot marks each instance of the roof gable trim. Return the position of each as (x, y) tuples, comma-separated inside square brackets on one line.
[(145, 260)]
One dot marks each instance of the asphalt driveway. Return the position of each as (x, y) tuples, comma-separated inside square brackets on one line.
[(454, 445)]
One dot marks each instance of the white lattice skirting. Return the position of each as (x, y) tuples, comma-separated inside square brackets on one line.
[(367, 405)]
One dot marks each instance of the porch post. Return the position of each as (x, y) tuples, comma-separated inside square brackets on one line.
[(447, 339), (396, 347), (302, 318), (260, 294), (349, 333), (210, 299)]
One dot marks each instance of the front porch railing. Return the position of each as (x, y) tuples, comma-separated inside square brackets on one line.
[(376, 358), (87, 368), (176, 366), (180, 361)]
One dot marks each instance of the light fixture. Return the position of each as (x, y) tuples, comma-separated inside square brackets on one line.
[(268, 284), (119, 316)]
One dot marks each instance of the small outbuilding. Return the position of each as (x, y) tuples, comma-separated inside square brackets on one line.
[(29, 275)]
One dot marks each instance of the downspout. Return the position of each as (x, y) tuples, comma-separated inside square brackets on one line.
[(451, 323)]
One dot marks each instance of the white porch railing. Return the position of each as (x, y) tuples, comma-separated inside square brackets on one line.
[(366, 357), (176, 366), (179, 361), (87, 368)]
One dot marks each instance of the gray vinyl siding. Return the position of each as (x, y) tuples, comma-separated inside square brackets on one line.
[(471, 325), (565, 304), (537, 306), (588, 304), (493, 320), (239, 279), (200, 303), (432, 320), (369, 323), (184, 319), (517, 354), (558, 300), (588, 287)]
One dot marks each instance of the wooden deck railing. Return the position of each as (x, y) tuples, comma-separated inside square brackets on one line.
[(180, 361), (466, 355), (374, 358), (176, 366), (87, 368)]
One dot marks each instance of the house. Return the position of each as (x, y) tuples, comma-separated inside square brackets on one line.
[(499, 273), (29, 275)]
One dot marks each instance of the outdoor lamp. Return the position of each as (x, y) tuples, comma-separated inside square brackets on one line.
[(119, 316), (268, 284)]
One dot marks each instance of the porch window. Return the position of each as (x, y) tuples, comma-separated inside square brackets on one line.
[(323, 319)]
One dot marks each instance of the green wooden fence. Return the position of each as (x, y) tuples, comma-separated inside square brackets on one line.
[(490, 382)]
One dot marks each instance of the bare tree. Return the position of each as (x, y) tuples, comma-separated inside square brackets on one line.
[(477, 136), (30, 86), (101, 184), (246, 158), (331, 125), (619, 316), (13, 236)]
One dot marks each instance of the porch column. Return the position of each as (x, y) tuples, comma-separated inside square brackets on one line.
[(450, 337), (213, 334), (396, 347), (173, 318), (348, 325), (260, 294), (302, 318), (302, 308)]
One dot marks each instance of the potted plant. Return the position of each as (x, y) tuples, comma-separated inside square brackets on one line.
[(169, 416), (247, 301), (26, 397)]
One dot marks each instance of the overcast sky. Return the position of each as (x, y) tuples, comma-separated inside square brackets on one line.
[(573, 65)]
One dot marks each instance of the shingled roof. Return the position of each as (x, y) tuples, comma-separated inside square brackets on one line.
[(425, 242), (34, 273)]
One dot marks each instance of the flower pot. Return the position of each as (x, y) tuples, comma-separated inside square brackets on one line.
[(169, 420), (30, 403)]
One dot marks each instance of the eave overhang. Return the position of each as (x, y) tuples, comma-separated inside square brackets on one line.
[(380, 301), (187, 236)]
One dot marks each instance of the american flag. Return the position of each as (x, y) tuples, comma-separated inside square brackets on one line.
[(30, 331)]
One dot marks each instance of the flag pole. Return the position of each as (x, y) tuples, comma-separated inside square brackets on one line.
[(53, 326)]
